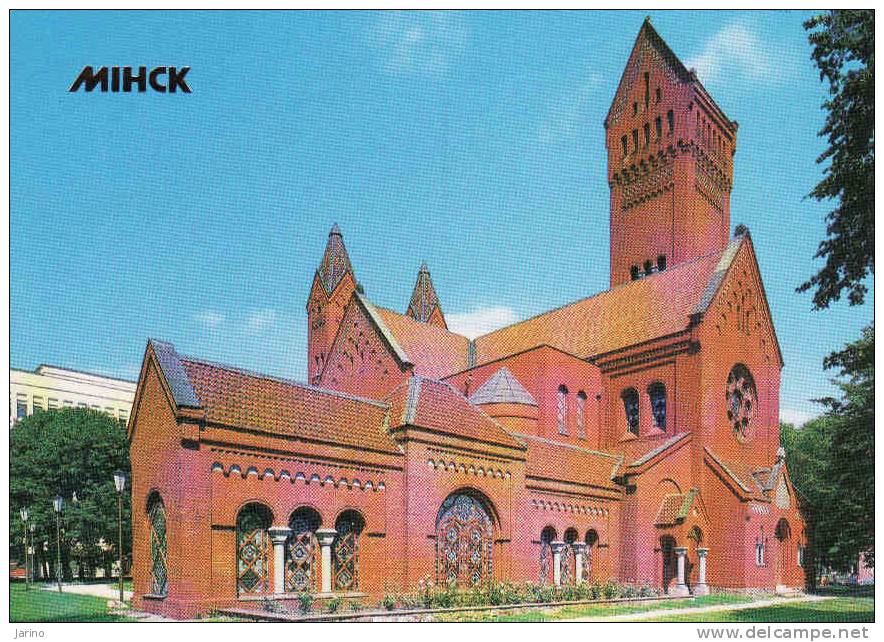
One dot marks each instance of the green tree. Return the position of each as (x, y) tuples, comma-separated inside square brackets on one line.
[(63, 452), (844, 51)]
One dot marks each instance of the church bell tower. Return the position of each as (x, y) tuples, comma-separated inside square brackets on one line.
[(670, 164)]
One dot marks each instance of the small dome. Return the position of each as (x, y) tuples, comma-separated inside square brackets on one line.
[(502, 387)]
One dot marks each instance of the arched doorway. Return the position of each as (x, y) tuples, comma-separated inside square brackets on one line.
[(670, 562), (464, 539), (345, 551), (592, 541), (547, 537), (785, 551), (253, 549), (569, 562), (695, 541), (302, 551)]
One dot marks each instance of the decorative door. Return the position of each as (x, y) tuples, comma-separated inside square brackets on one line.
[(463, 541)]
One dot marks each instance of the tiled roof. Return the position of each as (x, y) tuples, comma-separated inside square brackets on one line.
[(182, 392), (648, 456), (245, 400), (439, 407), (675, 508), (557, 461), (434, 351), (741, 474), (629, 314), (502, 387)]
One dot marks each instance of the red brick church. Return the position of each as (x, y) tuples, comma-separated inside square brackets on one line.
[(632, 435)]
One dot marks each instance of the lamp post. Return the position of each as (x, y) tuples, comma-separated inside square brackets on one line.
[(58, 504), (120, 485), (24, 522), (33, 554)]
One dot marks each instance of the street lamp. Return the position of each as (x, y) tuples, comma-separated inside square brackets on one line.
[(58, 504), (120, 485), (33, 554), (24, 522)]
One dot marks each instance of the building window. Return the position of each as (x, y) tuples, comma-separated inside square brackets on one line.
[(547, 537), (301, 550), (82, 404), (633, 273), (647, 130), (741, 397), (635, 140), (53, 404), (657, 394), (21, 407), (68, 403), (38, 404), (345, 573), (123, 416), (568, 559), (759, 552), (253, 550), (630, 407), (625, 142), (464, 540), (581, 414), (649, 268), (156, 515), (800, 556), (634, 109), (658, 127), (659, 97), (661, 262), (591, 539), (670, 120), (562, 415)]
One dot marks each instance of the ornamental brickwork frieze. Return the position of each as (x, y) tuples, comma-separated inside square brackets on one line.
[(646, 180), (712, 183)]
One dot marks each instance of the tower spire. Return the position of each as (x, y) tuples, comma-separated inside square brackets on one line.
[(335, 262), (424, 305)]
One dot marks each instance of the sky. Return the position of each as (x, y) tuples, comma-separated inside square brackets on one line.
[(472, 141)]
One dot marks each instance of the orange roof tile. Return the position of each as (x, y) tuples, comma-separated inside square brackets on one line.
[(632, 313), (548, 459), (241, 399), (674, 508), (434, 351), (439, 407)]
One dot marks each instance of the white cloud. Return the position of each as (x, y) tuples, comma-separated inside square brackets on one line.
[(260, 320), (423, 42), (480, 321), (736, 50), (797, 417), (209, 318), (567, 117)]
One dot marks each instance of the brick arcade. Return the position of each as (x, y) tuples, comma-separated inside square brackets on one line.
[(632, 435)]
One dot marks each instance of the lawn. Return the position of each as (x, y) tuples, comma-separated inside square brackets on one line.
[(37, 605), (834, 610), (593, 610)]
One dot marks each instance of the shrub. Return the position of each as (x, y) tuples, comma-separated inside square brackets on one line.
[(305, 602), (333, 604), (388, 602)]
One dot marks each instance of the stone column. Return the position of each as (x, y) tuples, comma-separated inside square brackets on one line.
[(681, 587), (579, 552), (701, 588), (557, 550), (279, 535), (326, 536)]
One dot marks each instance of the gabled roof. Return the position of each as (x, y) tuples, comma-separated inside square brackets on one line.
[(628, 314), (335, 261), (675, 508), (741, 476), (502, 387), (655, 452), (245, 400), (433, 351), (440, 408), (424, 300), (558, 461)]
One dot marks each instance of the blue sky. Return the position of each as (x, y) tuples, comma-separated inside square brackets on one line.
[(471, 141)]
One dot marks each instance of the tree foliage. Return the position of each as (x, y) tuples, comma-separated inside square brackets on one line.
[(844, 51), (62, 452), (831, 461)]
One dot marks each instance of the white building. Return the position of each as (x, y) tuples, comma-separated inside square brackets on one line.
[(50, 387)]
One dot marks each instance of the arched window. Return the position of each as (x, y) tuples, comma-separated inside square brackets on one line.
[(301, 551), (630, 406), (563, 410), (661, 262), (349, 527), (633, 273), (581, 414), (657, 394), (253, 549), (156, 515), (741, 397), (568, 556), (464, 541), (592, 541), (547, 537), (649, 268), (760, 545)]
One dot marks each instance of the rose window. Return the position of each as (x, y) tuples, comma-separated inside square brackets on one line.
[(741, 398)]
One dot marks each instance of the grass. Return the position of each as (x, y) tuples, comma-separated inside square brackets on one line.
[(37, 605), (593, 610), (833, 610)]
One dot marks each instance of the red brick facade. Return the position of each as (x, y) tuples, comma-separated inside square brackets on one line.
[(613, 435)]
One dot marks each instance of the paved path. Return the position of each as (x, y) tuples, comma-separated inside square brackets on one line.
[(699, 609), (107, 591)]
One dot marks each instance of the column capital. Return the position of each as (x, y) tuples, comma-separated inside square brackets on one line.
[(578, 547), (557, 547), (326, 536), (702, 552), (681, 550), (279, 534)]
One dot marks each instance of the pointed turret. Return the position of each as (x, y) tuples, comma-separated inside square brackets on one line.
[(424, 305), (333, 286)]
